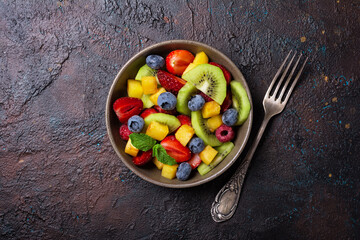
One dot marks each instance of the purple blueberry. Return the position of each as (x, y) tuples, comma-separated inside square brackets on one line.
[(136, 123), (196, 102), (155, 61), (183, 171), (230, 117)]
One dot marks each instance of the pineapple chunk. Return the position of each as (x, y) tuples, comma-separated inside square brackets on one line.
[(155, 96), (188, 68), (149, 84), (210, 109), (168, 171), (157, 163), (214, 122), (208, 154), (157, 130), (200, 58), (130, 149), (184, 134), (134, 88)]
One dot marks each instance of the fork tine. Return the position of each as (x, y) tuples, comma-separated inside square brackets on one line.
[(295, 81), (267, 94)]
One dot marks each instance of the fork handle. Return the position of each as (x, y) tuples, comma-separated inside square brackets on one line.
[(226, 201)]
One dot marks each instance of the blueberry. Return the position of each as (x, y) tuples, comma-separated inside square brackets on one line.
[(135, 123), (167, 101), (183, 171), (230, 117), (196, 145), (196, 102), (155, 61)]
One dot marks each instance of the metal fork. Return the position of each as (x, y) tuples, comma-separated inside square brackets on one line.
[(226, 201)]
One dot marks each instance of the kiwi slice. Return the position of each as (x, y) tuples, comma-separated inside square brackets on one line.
[(167, 119), (240, 101), (147, 103), (202, 131), (209, 79), (183, 97), (223, 151), (145, 71)]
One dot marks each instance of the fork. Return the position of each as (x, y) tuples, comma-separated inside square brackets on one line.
[(226, 201)]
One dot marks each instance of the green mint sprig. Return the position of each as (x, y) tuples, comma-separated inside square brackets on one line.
[(142, 141), (160, 153)]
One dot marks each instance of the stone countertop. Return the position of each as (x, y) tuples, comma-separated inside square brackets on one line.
[(60, 177)]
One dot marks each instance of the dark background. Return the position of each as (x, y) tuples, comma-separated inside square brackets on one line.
[(61, 179)]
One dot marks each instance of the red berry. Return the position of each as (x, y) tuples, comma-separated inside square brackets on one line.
[(178, 60), (206, 97), (127, 107), (224, 133), (227, 101), (124, 132), (195, 161), (160, 110), (227, 74), (170, 82), (147, 112), (175, 149), (184, 120), (142, 158)]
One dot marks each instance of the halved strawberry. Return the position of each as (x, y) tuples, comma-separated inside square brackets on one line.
[(160, 110), (184, 120), (206, 97), (127, 107), (227, 101), (124, 132), (227, 74), (142, 158), (175, 149), (195, 161), (170, 82), (147, 112)]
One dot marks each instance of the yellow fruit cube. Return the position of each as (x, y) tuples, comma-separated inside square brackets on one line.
[(208, 154), (189, 67), (214, 122), (155, 96), (200, 58), (130, 149), (134, 88), (210, 109), (157, 130), (157, 163), (149, 84), (184, 134), (169, 171)]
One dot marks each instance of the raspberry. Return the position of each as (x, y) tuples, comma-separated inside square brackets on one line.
[(124, 132), (224, 133)]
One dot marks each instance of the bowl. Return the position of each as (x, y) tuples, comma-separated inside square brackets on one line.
[(118, 89)]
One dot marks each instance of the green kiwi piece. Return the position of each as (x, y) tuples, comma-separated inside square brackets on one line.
[(145, 71), (223, 151), (167, 119), (240, 101), (208, 79), (147, 103), (183, 98), (202, 131)]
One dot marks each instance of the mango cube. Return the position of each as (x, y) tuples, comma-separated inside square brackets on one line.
[(130, 149), (184, 134), (134, 88), (200, 58), (214, 122), (149, 84), (157, 130), (168, 171), (155, 96), (210, 109), (157, 163), (208, 154)]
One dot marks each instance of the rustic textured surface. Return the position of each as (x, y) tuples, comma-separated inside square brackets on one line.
[(60, 178)]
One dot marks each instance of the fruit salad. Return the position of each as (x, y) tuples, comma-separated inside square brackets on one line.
[(180, 114)]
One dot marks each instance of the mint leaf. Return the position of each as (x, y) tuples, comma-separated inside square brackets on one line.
[(160, 153), (142, 141)]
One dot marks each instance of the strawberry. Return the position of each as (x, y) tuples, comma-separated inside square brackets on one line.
[(195, 161), (175, 149), (160, 110), (184, 120), (227, 101), (142, 158), (127, 107), (227, 74), (124, 132), (170, 82), (147, 112), (178, 60), (206, 97)]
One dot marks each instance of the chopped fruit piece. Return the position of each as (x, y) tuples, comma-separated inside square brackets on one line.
[(155, 61), (183, 171), (195, 161), (146, 101), (149, 84), (142, 158), (240, 101), (210, 109), (168, 171), (134, 88), (224, 133), (124, 132), (147, 112), (170, 82), (208, 154), (130, 149), (155, 96), (202, 130), (214, 122), (200, 58), (227, 101), (171, 121), (227, 74), (157, 130), (127, 107), (184, 120), (178, 60), (160, 110), (175, 149), (184, 134), (145, 70), (157, 163), (190, 67), (206, 97)]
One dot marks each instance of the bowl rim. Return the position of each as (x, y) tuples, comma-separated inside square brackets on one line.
[(132, 167)]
